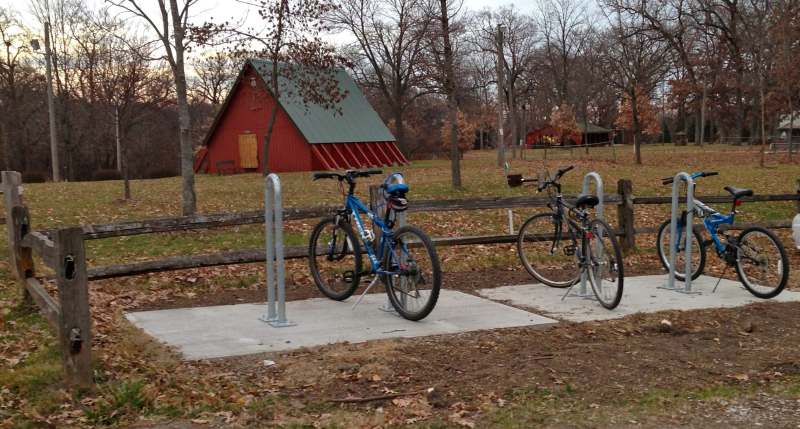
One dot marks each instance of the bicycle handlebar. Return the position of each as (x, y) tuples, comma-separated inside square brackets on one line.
[(561, 171), (515, 180), (669, 180), (348, 175)]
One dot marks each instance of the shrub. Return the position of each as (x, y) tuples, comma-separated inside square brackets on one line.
[(35, 177), (160, 173), (106, 174)]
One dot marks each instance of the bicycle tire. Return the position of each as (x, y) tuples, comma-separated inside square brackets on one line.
[(394, 291), (616, 262), (313, 248), (664, 258), (784, 263), (529, 264)]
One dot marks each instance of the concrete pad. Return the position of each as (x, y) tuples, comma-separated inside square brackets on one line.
[(233, 330), (640, 295)]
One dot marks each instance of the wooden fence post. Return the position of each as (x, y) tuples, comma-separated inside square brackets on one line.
[(625, 214), (73, 291), (19, 226)]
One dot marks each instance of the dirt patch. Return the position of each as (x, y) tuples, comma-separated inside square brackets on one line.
[(593, 363)]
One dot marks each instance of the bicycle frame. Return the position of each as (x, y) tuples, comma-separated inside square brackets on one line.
[(355, 207), (712, 220)]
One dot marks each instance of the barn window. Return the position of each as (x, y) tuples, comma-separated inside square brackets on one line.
[(248, 151)]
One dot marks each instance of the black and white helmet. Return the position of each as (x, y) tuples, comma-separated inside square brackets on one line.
[(395, 189)]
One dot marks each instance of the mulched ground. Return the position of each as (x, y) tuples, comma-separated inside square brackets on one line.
[(590, 374)]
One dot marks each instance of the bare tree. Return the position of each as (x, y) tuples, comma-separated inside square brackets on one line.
[(11, 64), (445, 72), (566, 33), (172, 27), (518, 49), (214, 75), (389, 37), (634, 64)]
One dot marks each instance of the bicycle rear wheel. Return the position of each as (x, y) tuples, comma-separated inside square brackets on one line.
[(546, 246), (334, 258), (605, 267), (761, 262), (413, 287)]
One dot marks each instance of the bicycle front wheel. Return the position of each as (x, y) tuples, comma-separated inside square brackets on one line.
[(605, 267), (334, 258), (416, 277), (546, 246), (761, 262)]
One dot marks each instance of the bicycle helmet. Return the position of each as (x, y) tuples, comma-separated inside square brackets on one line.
[(395, 189)]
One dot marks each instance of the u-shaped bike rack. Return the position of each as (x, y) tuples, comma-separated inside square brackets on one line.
[(276, 269), (673, 230), (598, 190)]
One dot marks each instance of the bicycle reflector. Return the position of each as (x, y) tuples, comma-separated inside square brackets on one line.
[(514, 180), (737, 203)]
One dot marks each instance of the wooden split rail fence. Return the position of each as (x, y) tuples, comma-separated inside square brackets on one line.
[(63, 251)]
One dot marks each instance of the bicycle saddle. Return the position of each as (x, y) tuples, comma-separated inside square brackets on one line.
[(739, 192), (586, 200)]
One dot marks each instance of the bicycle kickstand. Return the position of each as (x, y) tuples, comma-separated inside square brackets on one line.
[(570, 288), (372, 283), (720, 279)]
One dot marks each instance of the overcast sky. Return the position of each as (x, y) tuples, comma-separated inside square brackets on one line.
[(221, 10)]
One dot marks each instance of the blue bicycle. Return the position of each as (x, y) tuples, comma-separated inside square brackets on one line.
[(757, 254), (403, 258)]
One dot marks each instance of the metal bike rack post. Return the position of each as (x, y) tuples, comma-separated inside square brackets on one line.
[(673, 230), (276, 270), (598, 190), (507, 170)]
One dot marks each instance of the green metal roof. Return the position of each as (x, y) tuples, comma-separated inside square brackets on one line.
[(592, 128), (352, 120)]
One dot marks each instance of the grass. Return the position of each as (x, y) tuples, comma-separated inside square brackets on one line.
[(61, 204), (566, 408), (120, 400)]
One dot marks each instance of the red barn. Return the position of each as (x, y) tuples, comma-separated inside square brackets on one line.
[(549, 135), (306, 137)]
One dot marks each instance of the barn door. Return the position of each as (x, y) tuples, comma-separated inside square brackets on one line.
[(248, 151)]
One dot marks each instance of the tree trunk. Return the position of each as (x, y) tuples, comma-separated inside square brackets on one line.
[(637, 149), (452, 103), (400, 129), (791, 129), (512, 121), (763, 125), (189, 198), (6, 146), (455, 153), (702, 127), (126, 182), (501, 100)]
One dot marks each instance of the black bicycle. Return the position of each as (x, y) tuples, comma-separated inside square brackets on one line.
[(556, 248)]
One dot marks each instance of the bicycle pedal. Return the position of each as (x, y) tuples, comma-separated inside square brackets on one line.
[(570, 250)]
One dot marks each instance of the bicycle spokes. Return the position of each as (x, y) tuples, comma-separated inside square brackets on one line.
[(761, 263)]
